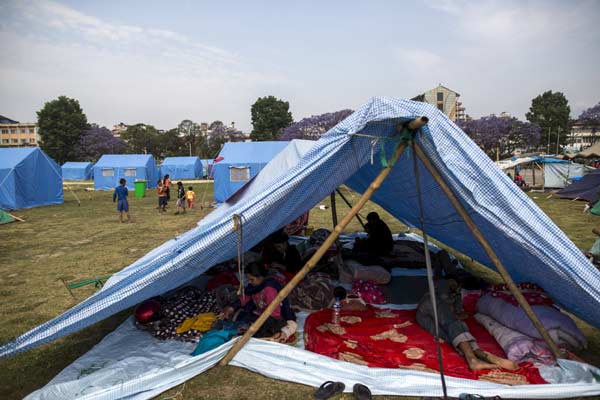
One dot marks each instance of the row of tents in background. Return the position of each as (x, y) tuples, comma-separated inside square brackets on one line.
[(176, 167), (30, 178)]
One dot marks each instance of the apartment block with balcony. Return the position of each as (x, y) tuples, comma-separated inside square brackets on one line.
[(17, 134), (446, 100)]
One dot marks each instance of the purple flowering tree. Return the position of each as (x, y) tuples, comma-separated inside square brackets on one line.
[(312, 128), (591, 115), (97, 141), (501, 134)]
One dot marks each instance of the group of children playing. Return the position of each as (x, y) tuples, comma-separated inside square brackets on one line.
[(185, 199)]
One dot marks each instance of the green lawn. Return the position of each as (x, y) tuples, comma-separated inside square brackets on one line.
[(70, 242)]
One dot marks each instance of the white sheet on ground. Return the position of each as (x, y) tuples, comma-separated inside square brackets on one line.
[(131, 364)]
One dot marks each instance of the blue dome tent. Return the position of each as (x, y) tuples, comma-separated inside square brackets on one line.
[(77, 171), (182, 167), (112, 167), (28, 178), (239, 162)]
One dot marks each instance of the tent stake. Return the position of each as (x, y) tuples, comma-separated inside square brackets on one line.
[(488, 250), (350, 205), (283, 293)]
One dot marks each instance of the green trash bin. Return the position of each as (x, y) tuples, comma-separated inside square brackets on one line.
[(140, 189)]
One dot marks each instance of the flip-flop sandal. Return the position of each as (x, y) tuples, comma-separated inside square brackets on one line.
[(329, 389), (361, 392)]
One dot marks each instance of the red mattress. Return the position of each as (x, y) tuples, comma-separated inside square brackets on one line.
[(392, 339)]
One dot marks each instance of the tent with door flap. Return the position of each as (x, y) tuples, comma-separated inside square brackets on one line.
[(238, 162), (28, 178), (110, 168), (529, 245), (182, 168), (77, 171)]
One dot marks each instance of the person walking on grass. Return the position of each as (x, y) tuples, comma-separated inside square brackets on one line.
[(167, 188), (181, 204), (120, 195), (190, 196), (162, 197)]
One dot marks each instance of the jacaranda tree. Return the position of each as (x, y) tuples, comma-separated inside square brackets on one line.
[(97, 141), (312, 128), (501, 135)]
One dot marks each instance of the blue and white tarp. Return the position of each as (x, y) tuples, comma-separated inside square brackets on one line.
[(182, 168), (239, 162), (77, 171), (28, 178), (110, 168), (529, 244)]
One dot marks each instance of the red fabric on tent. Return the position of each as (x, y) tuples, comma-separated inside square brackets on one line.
[(392, 339)]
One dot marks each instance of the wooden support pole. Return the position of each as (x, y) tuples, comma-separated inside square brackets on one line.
[(333, 209), (488, 250), (350, 206), (283, 293)]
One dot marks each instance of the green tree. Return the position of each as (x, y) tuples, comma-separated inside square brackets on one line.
[(551, 112), (61, 123), (170, 144), (142, 138), (269, 117)]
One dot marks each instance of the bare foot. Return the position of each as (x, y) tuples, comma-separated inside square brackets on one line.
[(498, 361), (476, 364)]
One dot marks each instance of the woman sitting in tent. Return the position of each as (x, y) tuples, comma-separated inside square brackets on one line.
[(451, 327), (258, 294)]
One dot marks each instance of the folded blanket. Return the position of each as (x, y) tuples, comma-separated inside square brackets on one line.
[(560, 326), (517, 346)]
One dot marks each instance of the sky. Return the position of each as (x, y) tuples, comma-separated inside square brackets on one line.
[(160, 62)]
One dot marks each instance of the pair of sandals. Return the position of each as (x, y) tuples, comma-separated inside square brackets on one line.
[(330, 389)]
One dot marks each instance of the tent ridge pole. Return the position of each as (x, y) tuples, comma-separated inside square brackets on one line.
[(283, 293), (488, 250)]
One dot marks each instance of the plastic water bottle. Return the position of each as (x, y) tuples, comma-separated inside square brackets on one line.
[(337, 308)]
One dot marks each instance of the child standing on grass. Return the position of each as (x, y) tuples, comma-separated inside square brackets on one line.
[(162, 197), (120, 194), (191, 196), (180, 198)]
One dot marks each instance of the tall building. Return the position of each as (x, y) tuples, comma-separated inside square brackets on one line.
[(446, 100), (15, 133)]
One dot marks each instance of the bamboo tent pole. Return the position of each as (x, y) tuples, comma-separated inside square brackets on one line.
[(350, 205), (283, 293), (338, 258), (488, 250)]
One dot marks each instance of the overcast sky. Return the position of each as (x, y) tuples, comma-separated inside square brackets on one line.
[(160, 62)]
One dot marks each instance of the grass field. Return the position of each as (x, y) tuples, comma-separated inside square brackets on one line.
[(69, 242)]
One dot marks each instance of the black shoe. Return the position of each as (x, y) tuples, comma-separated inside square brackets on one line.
[(329, 389), (361, 392)]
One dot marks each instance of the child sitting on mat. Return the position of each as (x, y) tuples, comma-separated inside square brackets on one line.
[(258, 294)]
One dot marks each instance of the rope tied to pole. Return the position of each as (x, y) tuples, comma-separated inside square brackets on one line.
[(238, 226)]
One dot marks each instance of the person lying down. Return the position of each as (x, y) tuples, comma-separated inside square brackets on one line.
[(452, 329)]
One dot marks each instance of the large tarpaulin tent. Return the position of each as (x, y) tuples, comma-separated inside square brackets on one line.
[(110, 168), (182, 168), (77, 171), (28, 178), (557, 172), (529, 244), (239, 162), (587, 189)]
